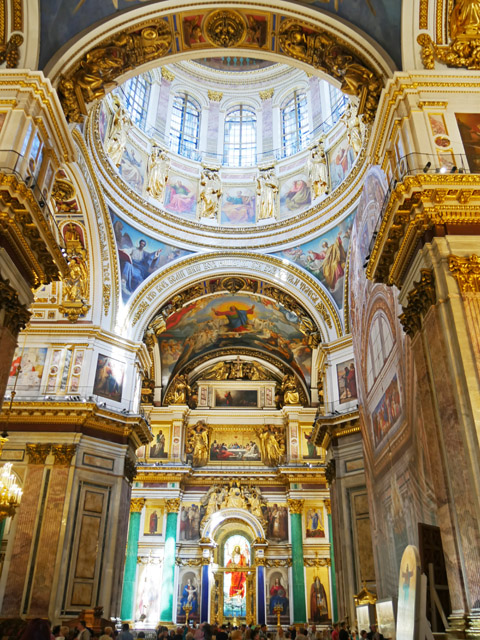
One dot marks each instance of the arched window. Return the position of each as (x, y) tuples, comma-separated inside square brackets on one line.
[(380, 345), (240, 140), (185, 126), (137, 94), (295, 124)]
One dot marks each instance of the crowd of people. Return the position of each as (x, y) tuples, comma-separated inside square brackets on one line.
[(40, 629)]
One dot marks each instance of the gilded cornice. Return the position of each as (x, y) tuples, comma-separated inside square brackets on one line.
[(416, 205), (161, 476), (420, 299), (141, 210), (79, 414), (295, 506), (22, 218), (466, 271), (278, 562)]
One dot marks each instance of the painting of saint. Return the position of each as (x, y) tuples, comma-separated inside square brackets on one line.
[(139, 255), (315, 527), (326, 257), (109, 378), (192, 30), (469, 127), (347, 382), (236, 557), (295, 195), (387, 411), (153, 521), (341, 159), (157, 449), (318, 602), (132, 168), (236, 398), (277, 518), (313, 452), (180, 196), (238, 206), (188, 597), (278, 598), (190, 517)]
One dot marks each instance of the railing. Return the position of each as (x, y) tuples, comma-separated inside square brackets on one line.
[(260, 158), (417, 164), (77, 396), (13, 163)]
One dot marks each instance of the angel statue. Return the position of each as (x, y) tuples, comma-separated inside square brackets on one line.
[(179, 392), (289, 390), (317, 169), (210, 194), (75, 285), (157, 173), (115, 145), (272, 444)]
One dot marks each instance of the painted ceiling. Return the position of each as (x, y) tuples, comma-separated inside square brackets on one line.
[(62, 20)]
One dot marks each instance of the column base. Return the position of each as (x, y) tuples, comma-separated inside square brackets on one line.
[(457, 624), (473, 627)]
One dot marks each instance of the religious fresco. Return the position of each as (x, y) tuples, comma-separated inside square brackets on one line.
[(109, 378), (224, 321), (469, 127), (318, 595), (236, 398), (191, 515), (325, 257), (139, 255), (341, 158), (236, 552), (133, 168), (314, 522), (346, 381), (238, 205), (27, 368), (147, 605), (295, 194), (387, 411), (277, 595), (180, 195), (188, 595), (232, 447), (153, 520), (308, 450), (62, 20), (158, 448), (277, 519)]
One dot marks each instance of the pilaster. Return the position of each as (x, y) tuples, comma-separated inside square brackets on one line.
[(295, 507), (168, 575), (128, 594)]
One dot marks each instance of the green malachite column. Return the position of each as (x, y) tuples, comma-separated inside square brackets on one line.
[(298, 572), (168, 574), (128, 593), (332, 562)]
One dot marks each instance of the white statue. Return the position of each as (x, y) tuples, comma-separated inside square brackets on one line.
[(267, 190), (115, 145), (352, 123), (157, 173), (210, 194), (317, 169)]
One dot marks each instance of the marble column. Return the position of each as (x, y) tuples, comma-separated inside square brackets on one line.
[(261, 611), (213, 122), (168, 575), (13, 317), (267, 126), (163, 100), (128, 594), (298, 572), (332, 561)]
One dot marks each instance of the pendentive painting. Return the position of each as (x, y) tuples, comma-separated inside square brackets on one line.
[(139, 255), (326, 257), (240, 321), (347, 382), (109, 378), (133, 168)]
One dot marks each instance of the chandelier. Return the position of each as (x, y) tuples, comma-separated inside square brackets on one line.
[(10, 492)]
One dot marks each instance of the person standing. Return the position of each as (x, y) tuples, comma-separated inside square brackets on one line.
[(83, 632), (125, 632)]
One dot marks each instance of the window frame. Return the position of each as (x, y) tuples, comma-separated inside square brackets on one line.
[(239, 152), (296, 139), (184, 142)]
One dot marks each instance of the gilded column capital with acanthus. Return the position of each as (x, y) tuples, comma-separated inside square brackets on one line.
[(136, 505), (172, 505), (63, 453), (466, 271), (37, 453), (295, 506)]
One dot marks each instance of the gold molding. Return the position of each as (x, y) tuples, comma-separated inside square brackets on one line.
[(317, 562), (63, 453), (266, 94), (16, 315), (136, 505), (17, 11), (328, 506), (432, 104), (172, 505), (278, 562), (214, 96), (295, 506), (37, 453), (420, 299), (466, 271), (461, 53), (423, 15), (167, 74)]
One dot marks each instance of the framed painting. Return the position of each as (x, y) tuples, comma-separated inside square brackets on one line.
[(236, 398), (109, 378)]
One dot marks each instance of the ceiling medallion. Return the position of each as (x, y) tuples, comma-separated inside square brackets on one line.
[(225, 28)]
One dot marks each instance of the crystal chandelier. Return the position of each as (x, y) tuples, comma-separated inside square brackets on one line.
[(10, 492)]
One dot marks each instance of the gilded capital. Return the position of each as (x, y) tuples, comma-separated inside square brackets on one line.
[(16, 314), (63, 453), (295, 506), (328, 506), (172, 505), (466, 271), (215, 96), (266, 94), (260, 562), (130, 469), (37, 453), (167, 75), (420, 299), (136, 505)]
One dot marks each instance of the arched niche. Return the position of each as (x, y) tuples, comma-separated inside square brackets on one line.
[(224, 522), (138, 40)]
